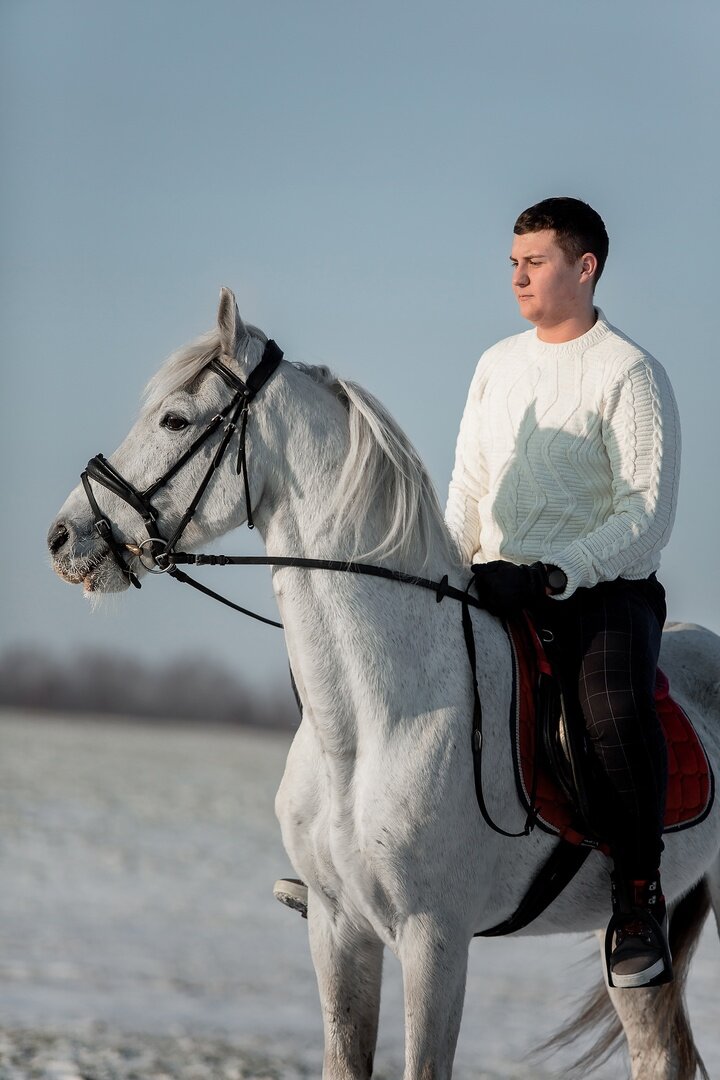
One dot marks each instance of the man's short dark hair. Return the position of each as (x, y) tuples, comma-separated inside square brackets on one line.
[(578, 228)]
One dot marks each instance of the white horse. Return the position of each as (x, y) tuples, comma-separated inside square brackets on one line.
[(377, 805)]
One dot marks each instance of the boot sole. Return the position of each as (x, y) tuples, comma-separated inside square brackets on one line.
[(292, 894), (649, 977)]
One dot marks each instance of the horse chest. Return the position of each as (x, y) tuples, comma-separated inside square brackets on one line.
[(366, 832)]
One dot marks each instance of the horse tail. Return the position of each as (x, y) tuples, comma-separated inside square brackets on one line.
[(670, 1015)]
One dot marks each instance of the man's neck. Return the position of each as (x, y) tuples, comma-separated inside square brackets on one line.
[(568, 329)]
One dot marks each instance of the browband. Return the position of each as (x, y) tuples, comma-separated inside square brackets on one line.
[(271, 357)]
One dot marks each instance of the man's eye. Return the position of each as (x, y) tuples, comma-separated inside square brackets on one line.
[(173, 422)]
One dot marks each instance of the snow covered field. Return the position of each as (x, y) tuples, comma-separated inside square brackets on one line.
[(139, 936)]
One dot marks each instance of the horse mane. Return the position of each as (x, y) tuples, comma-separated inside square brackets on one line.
[(382, 468)]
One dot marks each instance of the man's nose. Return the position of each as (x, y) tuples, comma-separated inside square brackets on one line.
[(520, 277)]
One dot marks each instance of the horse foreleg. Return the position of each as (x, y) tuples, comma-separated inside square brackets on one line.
[(434, 965), (348, 966)]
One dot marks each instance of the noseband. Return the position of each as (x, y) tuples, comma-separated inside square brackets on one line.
[(234, 417)]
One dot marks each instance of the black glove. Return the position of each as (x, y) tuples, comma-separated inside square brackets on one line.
[(504, 588)]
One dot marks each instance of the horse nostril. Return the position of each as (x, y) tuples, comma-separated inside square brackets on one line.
[(57, 537)]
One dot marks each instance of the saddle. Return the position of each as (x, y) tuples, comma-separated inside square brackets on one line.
[(554, 768)]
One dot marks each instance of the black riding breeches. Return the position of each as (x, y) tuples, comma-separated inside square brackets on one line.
[(609, 640)]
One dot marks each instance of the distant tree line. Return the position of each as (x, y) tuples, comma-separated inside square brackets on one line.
[(188, 688)]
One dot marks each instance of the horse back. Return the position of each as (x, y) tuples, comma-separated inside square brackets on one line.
[(690, 657)]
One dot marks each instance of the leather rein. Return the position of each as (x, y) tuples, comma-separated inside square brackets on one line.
[(166, 559)]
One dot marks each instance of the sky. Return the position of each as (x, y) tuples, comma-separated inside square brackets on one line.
[(352, 172)]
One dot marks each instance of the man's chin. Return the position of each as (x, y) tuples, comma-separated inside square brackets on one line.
[(530, 311)]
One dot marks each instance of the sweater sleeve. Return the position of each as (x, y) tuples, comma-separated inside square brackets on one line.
[(469, 480), (641, 433)]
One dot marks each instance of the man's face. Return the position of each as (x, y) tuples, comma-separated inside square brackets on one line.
[(549, 289)]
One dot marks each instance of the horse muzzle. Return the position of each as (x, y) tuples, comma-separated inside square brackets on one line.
[(83, 559)]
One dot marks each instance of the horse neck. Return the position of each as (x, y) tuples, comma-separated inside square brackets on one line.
[(308, 446), (339, 626)]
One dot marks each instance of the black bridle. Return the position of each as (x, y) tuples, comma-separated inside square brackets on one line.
[(166, 559), (102, 472)]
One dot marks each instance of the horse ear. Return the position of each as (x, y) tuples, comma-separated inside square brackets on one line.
[(232, 328)]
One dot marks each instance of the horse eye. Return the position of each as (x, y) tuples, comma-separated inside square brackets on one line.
[(173, 422)]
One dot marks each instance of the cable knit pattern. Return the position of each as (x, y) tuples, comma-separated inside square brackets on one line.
[(569, 454)]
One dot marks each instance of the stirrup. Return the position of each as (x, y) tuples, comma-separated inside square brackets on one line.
[(293, 893), (637, 941)]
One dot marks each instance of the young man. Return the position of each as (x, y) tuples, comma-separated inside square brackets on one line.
[(562, 496)]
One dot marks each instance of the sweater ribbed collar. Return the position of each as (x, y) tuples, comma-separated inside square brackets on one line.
[(576, 346)]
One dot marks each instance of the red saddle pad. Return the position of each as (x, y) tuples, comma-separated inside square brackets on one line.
[(690, 789)]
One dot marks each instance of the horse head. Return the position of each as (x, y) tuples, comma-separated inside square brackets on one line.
[(325, 467), (114, 526)]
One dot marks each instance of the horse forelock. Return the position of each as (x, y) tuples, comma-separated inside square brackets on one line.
[(186, 364)]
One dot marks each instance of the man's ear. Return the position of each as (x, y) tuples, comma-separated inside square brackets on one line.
[(588, 267)]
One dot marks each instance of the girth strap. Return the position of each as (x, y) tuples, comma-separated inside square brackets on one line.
[(556, 872)]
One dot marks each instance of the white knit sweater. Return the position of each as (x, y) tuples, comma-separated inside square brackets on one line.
[(569, 454)]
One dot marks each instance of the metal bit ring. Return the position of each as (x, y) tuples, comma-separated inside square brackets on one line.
[(154, 568)]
